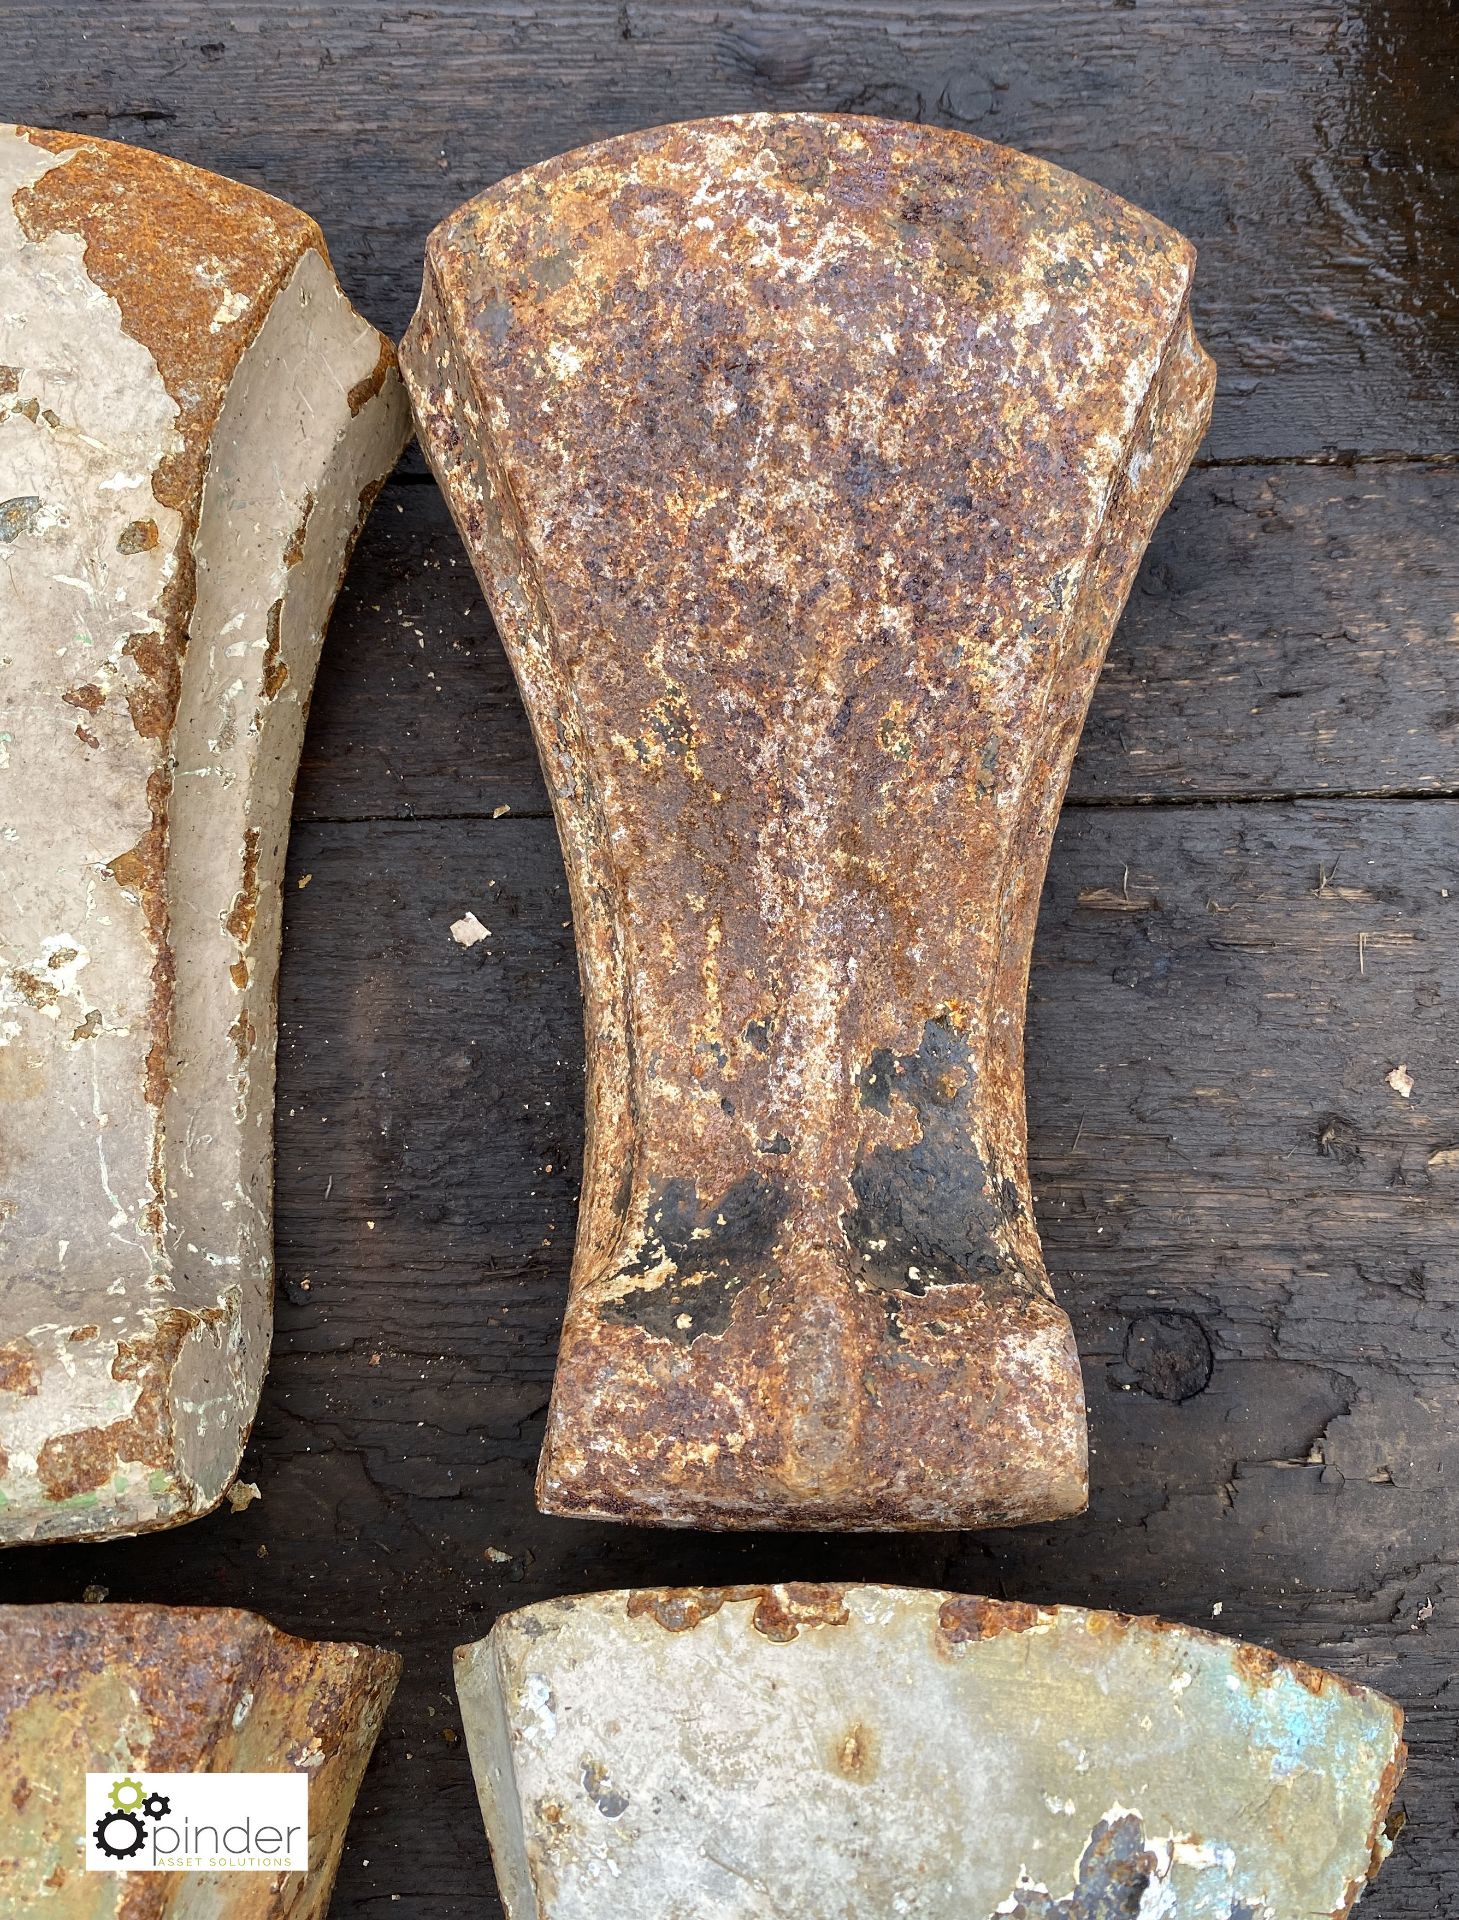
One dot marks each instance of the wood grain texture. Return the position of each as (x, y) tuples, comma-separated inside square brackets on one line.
[(1306, 148), (1249, 1225)]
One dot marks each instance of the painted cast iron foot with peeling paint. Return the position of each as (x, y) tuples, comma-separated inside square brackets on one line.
[(806, 463), (835, 1752), (133, 1690), (193, 424)]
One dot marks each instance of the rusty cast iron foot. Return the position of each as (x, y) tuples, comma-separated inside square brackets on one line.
[(193, 423), (137, 1690), (746, 1753), (806, 463)]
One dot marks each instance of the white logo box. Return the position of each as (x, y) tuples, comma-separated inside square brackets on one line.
[(197, 1822)]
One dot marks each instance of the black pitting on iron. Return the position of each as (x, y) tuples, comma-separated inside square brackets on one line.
[(714, 1249), (1115, 1873), (931, 1214)]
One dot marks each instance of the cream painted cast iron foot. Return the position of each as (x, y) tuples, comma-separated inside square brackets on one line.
[(844, 1753), (148, 1690), (193, 424), (806, 463)]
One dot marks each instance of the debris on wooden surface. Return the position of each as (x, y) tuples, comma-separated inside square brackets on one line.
[(128, 1689), (1401, 1081), (468, 930), (201, 421), (838, 1751), (806, 463), (1118, 900)]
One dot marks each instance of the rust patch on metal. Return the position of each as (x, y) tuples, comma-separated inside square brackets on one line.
[(244, 911), (142, 872), (681, 1609), (239, 921), (1259, 1666), (135, 210), (806, 462), (18, 1370), (35, 991), (243, 1033), (139, 536), (363, 391), (152, 700), (69, 1464), (1388, 1823), (294, 552), (89, 697), (854, 1757), (132, 869), (80, 1462), (206, 1688), (368, 496), (275, 673), (780, 1612), (966, 1617)]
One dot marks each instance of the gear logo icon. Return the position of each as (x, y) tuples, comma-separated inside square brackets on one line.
[(119, 1834)]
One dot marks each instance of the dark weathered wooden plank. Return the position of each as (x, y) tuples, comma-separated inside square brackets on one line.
[(415, 711), (1292, 630), (1244, 1217), (1306, 148)]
